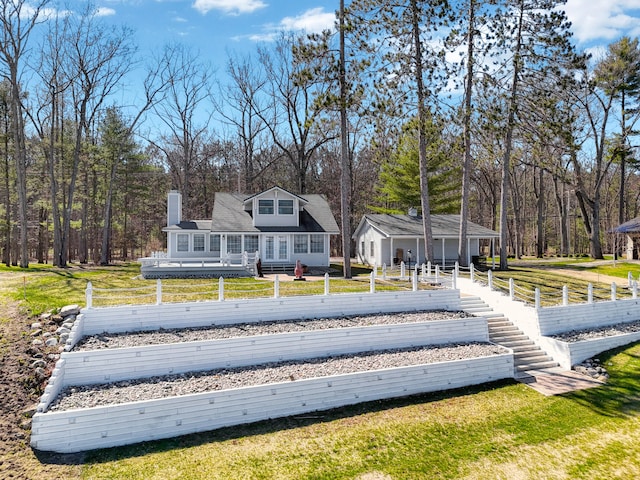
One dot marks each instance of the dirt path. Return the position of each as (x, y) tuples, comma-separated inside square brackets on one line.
[(19, 393)]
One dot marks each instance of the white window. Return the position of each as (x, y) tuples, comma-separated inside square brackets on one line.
[(283, 253), (285, 207), (269, 248), (317, 243), (362, 248), (234, 243), (251, 243), (183, 242), (300, 243), (265, 207), (214, 244), (198, 242), (372, 249)]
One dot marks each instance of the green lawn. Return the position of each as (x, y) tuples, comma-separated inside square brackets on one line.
[(504, 430)]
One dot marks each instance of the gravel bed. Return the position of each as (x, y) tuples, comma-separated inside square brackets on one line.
[(221, 379), (177, 335), (601, 332)]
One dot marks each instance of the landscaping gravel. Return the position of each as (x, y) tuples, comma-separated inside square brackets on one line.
[(609, 331), (135, 339), (221, 379)]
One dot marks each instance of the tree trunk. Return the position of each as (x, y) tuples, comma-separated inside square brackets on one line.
[(345, 173), (540, 210), (422, 141), (508, 144), (463, 254)]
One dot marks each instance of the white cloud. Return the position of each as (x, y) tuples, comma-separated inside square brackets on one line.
[(603, 19), (105, 12), (232, 7), (314, 20)]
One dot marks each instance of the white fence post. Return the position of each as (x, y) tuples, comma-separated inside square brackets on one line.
[(414, 280), (590, 293), (384, 271), (437, 273), (372, 282), (472, 271), (614, 292), (629, 279), (537, 298), (424, 271), (88, 295), (276, 287), (326, 284), (565, 295), (490, 279), (221, 289), (402, 270), (634, 289), (511, 289), (429, 268), (454, 280), (158, 292)]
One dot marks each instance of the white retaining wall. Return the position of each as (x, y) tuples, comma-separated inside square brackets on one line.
[(570, 354), (553, 320), (185, 315), (112, 365), (101, 427)]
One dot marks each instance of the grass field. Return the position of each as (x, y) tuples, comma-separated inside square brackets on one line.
[(498, 431)]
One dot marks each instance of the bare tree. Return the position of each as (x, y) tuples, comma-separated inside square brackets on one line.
[(18, 18), (241, 108), (293, 116), (188, 83)]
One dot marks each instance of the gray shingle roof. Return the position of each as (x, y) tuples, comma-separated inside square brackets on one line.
[(229, 215), (442, 226), (632, 226)]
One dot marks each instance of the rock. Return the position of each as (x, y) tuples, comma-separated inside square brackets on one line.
[(41, 373), (45, 316), (64, 337), (51, 342), (47, 334), (39, 364), (62, 330), (68, 324), (37, 341), (35, 333), (69, 310), (36, 325)]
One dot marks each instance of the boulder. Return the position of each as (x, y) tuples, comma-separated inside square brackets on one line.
[(69, 310)]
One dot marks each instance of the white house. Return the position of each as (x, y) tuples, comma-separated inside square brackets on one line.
[(279, 226), (392, 238)]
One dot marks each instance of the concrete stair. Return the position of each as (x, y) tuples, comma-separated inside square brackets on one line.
[(527, 355)]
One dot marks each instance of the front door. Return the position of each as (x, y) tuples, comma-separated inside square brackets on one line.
[(276, 248)]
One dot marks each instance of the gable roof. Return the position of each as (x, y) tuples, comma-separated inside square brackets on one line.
[(442, 226), (229, 215), (303, 201), (632, 226)]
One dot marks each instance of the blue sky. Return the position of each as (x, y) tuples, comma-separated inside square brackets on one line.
[(215, 26)]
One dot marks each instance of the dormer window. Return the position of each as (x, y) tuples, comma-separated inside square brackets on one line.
[(265, 207), (285, 207)]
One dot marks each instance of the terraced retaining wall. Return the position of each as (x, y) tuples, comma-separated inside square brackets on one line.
[(100, 427), (113, 365)]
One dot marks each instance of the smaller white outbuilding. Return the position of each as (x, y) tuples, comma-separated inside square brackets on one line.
[(388, 239)]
